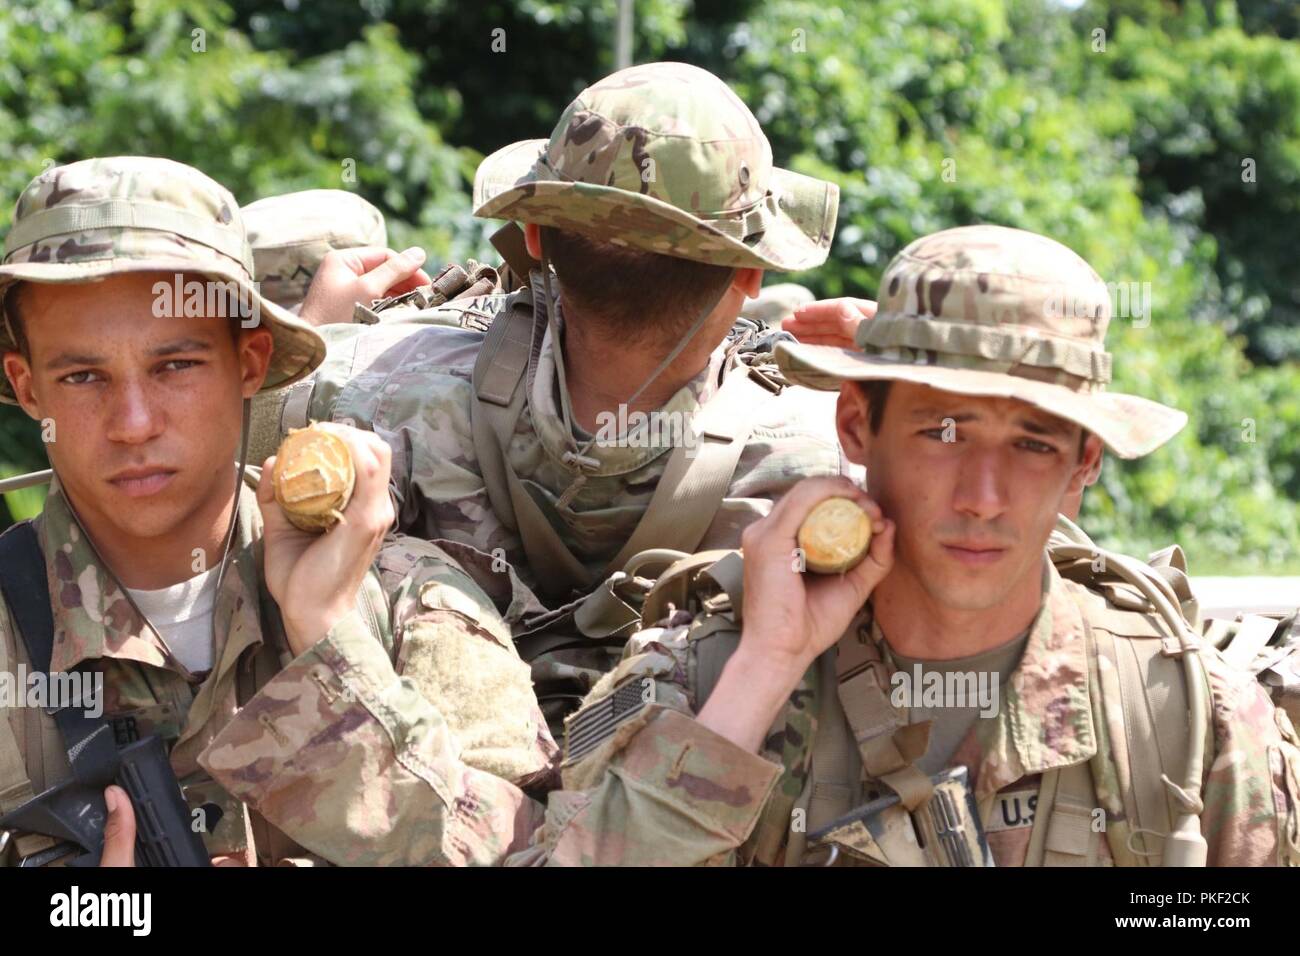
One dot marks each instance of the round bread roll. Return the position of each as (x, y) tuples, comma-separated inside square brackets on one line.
[(835, 536), (313, 478)]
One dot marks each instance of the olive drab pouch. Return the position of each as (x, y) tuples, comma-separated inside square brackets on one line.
[(944, 831)]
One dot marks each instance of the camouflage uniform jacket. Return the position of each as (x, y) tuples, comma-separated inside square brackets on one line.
[(411, 610), (663, 781), (411, 384), (362, 769), (146, 690)]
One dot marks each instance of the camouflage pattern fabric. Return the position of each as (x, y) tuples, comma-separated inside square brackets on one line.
[(292, 233), (423, 757), (419, 616), (628, 790), (986, 310), (410, 384), (664, 157), (146, 689), (147, 215)]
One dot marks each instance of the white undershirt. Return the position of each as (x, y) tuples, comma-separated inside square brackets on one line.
[(182, 614)]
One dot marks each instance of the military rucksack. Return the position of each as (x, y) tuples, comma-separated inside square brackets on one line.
[(1140, 620)]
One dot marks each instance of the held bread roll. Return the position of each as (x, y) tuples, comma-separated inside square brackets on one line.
[(835, 536), (313, 478)]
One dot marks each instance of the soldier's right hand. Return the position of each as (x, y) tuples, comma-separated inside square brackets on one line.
[(830, 321), (790, 617), (348, 276), (791, 614)]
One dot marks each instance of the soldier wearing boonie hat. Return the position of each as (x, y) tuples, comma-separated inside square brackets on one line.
[(983, 687), (124, 263), (991, 311), (657, 202)]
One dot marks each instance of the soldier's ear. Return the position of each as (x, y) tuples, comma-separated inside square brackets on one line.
[(1088, 468), (853, 421), (254, 347), (533, 239), (19, 373), (748, 281)]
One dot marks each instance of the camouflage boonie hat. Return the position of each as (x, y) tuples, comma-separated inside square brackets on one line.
[(664, 157), (291, 234), (101, 217), (992, 311)]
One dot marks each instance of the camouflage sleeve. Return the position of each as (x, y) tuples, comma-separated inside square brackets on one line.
[(365, 763), (1252, 788), (661, 789)]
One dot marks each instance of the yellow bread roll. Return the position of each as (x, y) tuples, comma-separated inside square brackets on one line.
[(313, 478), (835, 536)]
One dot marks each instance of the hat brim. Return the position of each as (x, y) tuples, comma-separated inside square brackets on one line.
[(1130, 426), (298, 348), (507, 186)]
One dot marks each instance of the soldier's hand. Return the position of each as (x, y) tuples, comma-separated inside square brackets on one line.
[(119, 831), (788, 612), (790, 616), (315, 578), (348, 276), (829, 321)]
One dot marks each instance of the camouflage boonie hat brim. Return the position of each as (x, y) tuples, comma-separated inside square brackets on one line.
[(88, 220), (994, 312), (664, 157)]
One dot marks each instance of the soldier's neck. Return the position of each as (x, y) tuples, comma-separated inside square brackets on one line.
[(602, 374), (157, 561), (922, 627)]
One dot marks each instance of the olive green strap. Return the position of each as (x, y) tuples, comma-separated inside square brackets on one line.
[(889, 748), (834, 771), (499, 398), (121, 214), (1063, 833), (15, 785), (696, 480)]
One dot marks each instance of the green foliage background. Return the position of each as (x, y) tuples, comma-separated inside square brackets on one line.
[(1120, 128)]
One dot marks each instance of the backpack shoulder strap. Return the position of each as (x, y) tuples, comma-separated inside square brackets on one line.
[(500, 392), (92, 752), (696, 479), (15, 783), (1152, 717), (687, 496)]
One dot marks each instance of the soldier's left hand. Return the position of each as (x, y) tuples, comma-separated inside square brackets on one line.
[(314, 578), (119, 831), (829, 321)]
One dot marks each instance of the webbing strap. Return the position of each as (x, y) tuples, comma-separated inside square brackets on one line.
[(15, 783), (121, 214), (92, 752), (1063, 833), (833, 766), (685, 500), (297, 401), (888, 747), (1145, 797), (696, 480)]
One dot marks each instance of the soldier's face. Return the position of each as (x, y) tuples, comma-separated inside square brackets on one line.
[(143, 411), (974, 485)]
